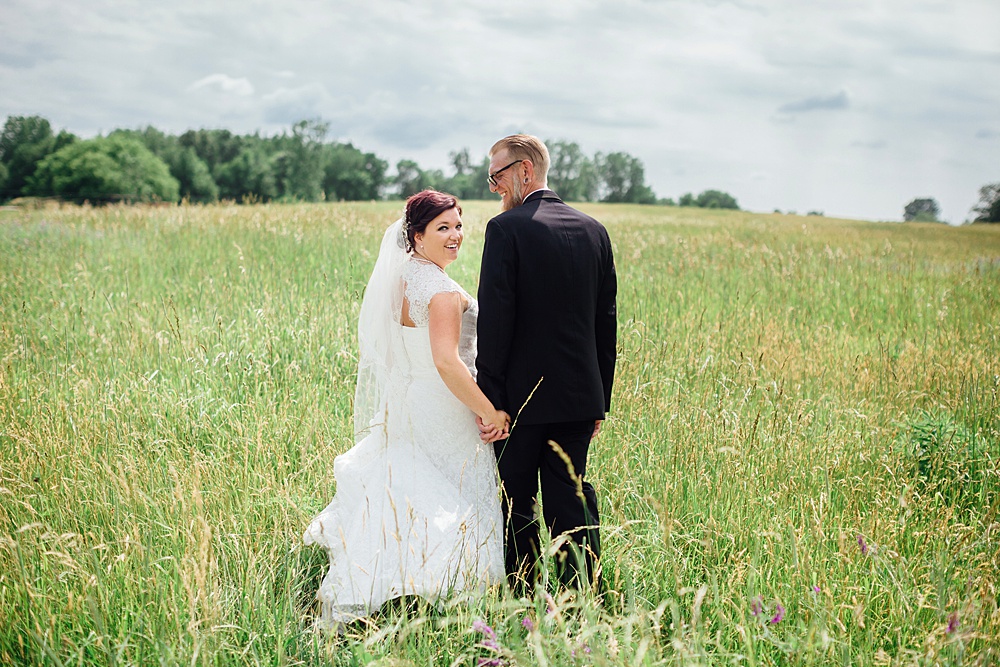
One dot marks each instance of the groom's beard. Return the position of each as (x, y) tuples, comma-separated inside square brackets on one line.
[(512, 200)]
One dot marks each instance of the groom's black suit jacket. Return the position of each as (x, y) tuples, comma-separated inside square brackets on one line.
[(547, 290)]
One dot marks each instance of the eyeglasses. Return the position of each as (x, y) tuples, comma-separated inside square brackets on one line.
[(492, 178)]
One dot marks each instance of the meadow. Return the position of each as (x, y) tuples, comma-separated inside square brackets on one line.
[(800, 466)]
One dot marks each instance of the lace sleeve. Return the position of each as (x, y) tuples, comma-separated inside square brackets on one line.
[(424, 280)]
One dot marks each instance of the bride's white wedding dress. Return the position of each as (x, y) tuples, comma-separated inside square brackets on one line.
[(417, 508)]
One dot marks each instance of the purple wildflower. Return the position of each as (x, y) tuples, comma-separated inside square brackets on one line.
[(755, 606), (490, 641), (490, 662), (550, 604), (527, 623), (482, 627), (863, 544), (953, 622), (779, 614), (817, 589)]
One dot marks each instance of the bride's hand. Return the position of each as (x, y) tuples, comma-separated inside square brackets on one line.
[(486, 432)]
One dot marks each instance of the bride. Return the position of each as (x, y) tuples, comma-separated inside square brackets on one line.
[(417, 507)]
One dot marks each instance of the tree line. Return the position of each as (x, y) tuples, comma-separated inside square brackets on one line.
[(926, 209), (299, 164), (198, 165)]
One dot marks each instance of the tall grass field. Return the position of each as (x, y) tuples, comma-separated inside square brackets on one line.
[(800, 466)]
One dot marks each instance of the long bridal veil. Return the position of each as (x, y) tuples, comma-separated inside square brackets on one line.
[(380, 341)]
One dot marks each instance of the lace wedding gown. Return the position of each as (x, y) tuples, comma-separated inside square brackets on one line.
[(417, 508)]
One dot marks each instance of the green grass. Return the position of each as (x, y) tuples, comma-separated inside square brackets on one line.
[(806, 415)]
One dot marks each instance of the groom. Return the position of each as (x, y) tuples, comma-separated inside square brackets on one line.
[(547, 335)]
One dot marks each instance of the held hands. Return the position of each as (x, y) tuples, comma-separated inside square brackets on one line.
[(497, 428)]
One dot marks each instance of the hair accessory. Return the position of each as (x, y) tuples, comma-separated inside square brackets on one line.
[(404, 230)]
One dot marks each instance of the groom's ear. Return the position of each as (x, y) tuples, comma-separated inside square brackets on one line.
[(529, 170)]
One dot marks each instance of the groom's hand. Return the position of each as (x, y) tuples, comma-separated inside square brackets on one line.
[(597, 428), (490, 433)]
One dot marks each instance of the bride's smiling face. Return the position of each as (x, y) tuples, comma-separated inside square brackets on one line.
[(442, 238)]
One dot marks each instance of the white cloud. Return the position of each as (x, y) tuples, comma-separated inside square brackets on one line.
[(225, 84)]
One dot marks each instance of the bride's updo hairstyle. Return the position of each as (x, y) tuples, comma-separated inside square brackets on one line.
[(423, 207)]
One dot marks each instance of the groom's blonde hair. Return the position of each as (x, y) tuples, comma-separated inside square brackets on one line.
[(525, 147)]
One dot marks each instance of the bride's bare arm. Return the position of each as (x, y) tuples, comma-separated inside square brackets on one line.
[(445, 325)]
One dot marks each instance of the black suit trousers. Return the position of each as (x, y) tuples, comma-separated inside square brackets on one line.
[(569, 503)]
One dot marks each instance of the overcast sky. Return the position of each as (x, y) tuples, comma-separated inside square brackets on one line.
[(848, 107)]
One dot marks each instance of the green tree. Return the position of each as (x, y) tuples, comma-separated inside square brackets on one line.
[(249, 176), (25, 141), (435, 180), (469, 180), (571, 173), (623, 179), (115, 168), (988, 207), (461, 161), (921, 210), (480, 188), (191, 172), (280, 166), (298, 161), (157, 141), (716, 199), (352, 175), (709, 199), (411, 179), (214, 147), (460, 183)]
